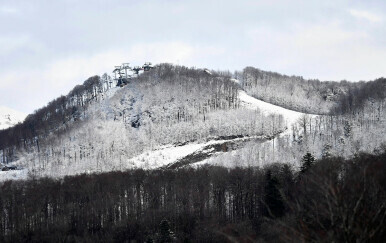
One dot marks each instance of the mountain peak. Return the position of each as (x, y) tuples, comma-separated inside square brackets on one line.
[(10, 117)]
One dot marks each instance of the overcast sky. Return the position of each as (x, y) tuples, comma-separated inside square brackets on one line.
[(47, 47)]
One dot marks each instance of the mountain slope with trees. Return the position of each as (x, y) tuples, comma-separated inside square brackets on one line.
[(311, 96), (100, 127)]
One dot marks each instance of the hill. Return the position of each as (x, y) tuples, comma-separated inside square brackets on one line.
[(174, 116)]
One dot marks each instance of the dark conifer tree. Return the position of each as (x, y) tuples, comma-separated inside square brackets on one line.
[(307, 161), (272, 197), (165, 233)]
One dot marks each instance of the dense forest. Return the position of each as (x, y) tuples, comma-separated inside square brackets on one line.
[(328, 200)]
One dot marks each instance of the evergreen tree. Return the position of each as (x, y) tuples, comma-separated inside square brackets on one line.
[(165, 233), (307, 161), (272, 197)]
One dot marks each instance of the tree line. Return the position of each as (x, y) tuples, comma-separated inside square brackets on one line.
[(331, 200)]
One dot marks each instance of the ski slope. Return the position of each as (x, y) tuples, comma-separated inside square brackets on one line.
[(232, 158), (266, 108), (167, 155)]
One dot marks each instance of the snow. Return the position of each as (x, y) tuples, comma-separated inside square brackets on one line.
[(151, 159), (10, 117), (233, 158), (13, 175), (170, 154), (289, 116), (235, 80), (163, 156), (207, 71)]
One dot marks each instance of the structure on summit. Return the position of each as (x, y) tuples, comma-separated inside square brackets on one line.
[(123, 73)]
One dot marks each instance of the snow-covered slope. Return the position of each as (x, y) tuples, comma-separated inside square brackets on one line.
[(239, 158), (105, 132), (266, 108), (10, 117), (155, 121), (168, 155)]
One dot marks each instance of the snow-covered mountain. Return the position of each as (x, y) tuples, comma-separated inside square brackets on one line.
[(10, 117), (175, 116)]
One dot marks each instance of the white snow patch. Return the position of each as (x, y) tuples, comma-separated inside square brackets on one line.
[(207, 71), (170, 154), (231, 159), (235, 80), (289, 116), (163, 156), (13, 175)]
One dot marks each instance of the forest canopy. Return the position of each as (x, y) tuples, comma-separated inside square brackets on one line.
[(328, 200)]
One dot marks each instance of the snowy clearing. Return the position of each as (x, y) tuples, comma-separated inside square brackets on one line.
[(163, 156), (170, 154), (266, 108)]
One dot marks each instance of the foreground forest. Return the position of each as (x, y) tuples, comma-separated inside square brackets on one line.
[(328, 200), (95, 165)]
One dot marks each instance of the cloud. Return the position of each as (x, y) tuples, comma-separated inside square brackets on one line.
[(326, 52), (8, 10), (12, 43), (43, 55), (361, 14)]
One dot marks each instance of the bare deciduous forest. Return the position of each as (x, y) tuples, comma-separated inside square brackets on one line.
[(328, 200)]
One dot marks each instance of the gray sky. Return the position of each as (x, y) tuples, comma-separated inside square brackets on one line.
[(47, 47)]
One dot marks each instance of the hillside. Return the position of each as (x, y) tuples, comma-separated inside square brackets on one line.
[(310, 96), (173, 116)]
